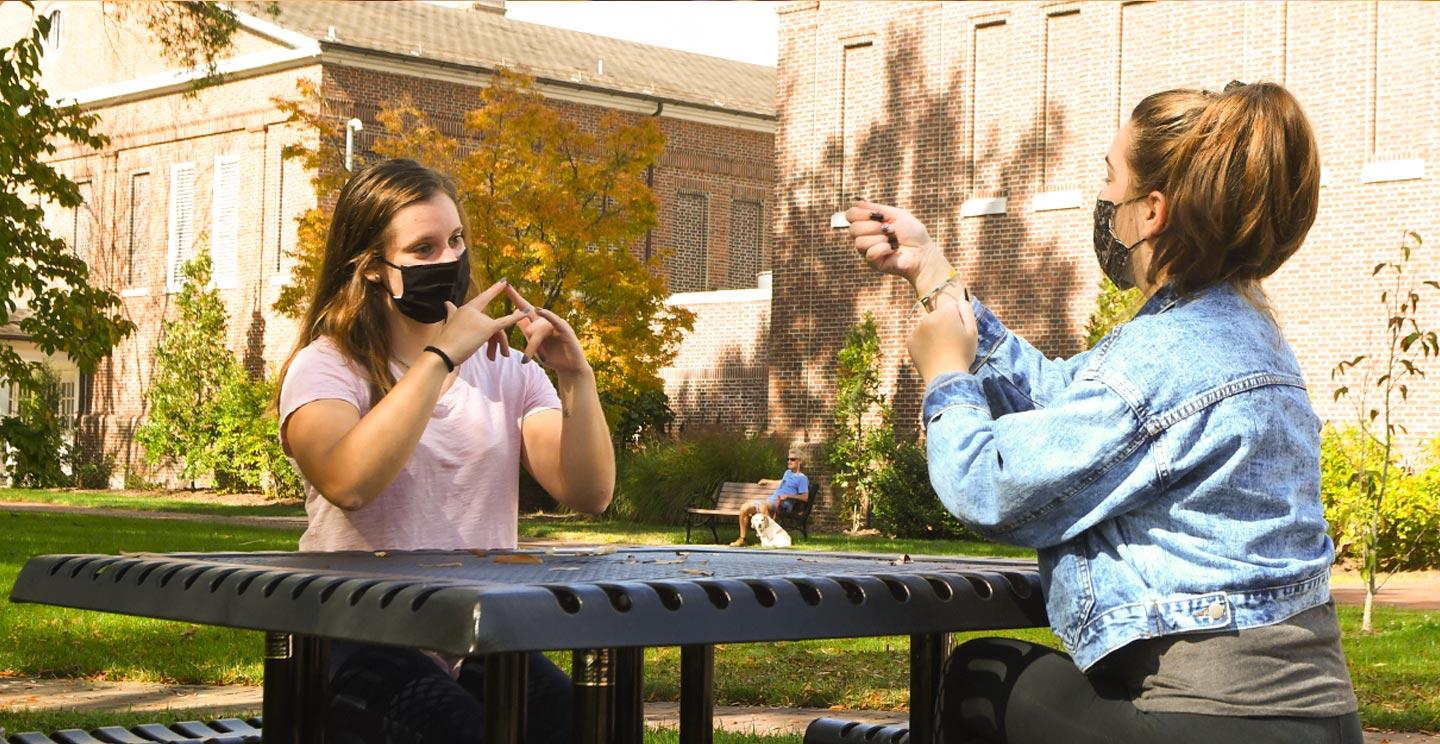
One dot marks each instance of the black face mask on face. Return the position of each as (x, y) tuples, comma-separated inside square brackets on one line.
[(428, 286), (1110, 250)]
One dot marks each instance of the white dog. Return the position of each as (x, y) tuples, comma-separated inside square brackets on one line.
[(772, 535)]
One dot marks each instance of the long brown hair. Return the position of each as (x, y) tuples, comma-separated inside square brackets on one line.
[(346, 307), (1241, 172)]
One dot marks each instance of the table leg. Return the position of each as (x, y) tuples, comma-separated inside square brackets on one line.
[(927, 666), (505, 685), (629, 695), (594, 695), (280, 698), (297, 674), (697, 694)]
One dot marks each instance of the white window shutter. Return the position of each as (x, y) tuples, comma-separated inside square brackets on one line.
[(182, 223), (225, 221)]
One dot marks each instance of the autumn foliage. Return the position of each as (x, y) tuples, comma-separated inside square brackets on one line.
[(560, 211)]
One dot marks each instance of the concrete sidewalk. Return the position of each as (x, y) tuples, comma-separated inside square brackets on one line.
[(20, 693)]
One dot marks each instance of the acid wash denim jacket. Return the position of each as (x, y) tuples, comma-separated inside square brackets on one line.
[(1169, 477)]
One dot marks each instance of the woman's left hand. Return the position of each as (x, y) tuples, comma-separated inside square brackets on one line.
[(945, 339), (548, 338)]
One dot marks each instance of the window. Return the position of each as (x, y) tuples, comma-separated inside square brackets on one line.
[(182, 223), (67, 398), (747, 243), (137, 257), (225, 221), (689, 270)]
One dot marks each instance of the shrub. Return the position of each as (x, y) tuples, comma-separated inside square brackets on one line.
[(1113, 306), (90, 465), (655, 482), (1409, 528), (206, 412), (862, 420), (906, 504), (246, 453), (34, 441)]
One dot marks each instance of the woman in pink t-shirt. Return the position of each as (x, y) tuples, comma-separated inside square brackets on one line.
[(408, 439)]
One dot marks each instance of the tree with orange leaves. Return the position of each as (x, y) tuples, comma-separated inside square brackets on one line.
[(555, 209)]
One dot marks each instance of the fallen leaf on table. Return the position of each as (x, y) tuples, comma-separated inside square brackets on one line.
[(479, 553), (381, 554), (518, 558), (452, 564), (696, 572)]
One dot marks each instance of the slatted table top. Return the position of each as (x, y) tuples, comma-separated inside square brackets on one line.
[(467, 602)]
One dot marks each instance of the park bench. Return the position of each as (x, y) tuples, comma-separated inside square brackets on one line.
[(222, 731), (724, 501)]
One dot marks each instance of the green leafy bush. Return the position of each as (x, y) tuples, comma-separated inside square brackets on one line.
[(856, 451), (206, 413), (90, 465), (636, 416), (1409, 529), (654, 482), (906, 504), (1112, 307), (34, 439)]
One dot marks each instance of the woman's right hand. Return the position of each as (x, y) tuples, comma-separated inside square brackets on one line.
[(893, 241), (467, 326)]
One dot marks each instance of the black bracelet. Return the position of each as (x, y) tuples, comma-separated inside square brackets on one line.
[(449, 365)]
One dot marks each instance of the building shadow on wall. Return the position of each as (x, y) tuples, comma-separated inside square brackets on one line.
[(916, 147), (739, 405)]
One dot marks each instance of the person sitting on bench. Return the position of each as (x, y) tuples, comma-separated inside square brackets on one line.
[(793, 487)]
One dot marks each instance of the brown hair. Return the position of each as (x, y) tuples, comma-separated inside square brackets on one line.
[(346, 307), (1241, 172)]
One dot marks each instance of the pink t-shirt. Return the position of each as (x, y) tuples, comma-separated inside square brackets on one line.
[(460, 488)]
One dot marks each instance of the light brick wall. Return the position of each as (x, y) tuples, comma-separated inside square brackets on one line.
[(926, 105), (719, 376)]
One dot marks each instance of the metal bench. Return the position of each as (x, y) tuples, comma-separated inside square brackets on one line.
[(221, 731), (726, 500), (835, 731)]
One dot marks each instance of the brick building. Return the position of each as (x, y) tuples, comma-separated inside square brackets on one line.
[(990, 122), (183, 170)]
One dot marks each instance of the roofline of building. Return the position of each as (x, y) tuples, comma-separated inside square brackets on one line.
[(347, 55), (306, 51)]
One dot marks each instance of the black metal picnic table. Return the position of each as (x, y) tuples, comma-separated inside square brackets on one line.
[(604, 604)]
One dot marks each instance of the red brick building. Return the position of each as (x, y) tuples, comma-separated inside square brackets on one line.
[(990, 121), (185, 170)]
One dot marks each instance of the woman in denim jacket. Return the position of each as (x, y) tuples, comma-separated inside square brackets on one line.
[(1169, 478)]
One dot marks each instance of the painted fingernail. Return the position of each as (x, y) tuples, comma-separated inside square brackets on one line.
[(894, 242), (886, 229), (524, 359), (967, 294), (877, 216)]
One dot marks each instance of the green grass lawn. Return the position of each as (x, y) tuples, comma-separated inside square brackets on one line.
[(157, 501), (1394, 669)]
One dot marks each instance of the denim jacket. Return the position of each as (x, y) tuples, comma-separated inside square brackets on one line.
[(1169, 477)]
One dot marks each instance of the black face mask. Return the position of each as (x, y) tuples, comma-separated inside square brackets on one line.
[(428, 286), (1110, 250)]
